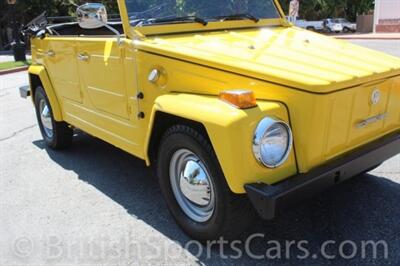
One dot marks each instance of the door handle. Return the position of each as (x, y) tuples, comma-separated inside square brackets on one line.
[(83, 57), (50, 53)]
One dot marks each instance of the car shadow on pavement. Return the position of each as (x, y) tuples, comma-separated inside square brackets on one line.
[(364, 208)]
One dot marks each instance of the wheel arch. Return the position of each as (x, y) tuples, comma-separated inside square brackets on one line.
[(162, 121), (228, 129), (38, 77), (179, 108)]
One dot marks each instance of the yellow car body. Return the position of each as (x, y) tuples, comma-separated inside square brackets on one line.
[(319, 85)]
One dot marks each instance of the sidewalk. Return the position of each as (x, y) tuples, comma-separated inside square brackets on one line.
[(370, 36), (7, 57), (10, 58)]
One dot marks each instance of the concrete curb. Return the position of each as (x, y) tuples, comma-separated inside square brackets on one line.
[(13, 70)]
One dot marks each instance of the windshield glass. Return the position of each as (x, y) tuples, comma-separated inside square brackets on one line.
[(341, 20), (150, 12)]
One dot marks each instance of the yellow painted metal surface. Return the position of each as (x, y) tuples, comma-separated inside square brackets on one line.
[(40, 71), (324, 125), (321, 86), (102, 75), (231, 133), (286, 55), (59, 56)]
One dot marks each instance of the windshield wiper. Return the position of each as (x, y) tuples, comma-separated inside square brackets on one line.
[(239, 16), (177, 19)]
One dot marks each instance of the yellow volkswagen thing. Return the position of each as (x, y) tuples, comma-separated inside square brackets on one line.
[(238, 110)]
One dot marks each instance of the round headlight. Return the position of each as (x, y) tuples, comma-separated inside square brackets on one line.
[(272, 142)]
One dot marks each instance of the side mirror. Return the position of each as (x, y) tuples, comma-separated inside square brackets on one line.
[(92, 16)]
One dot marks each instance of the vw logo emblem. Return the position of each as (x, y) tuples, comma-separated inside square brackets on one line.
[(375, 96)]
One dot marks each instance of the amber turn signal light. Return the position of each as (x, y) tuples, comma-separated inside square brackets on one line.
[(241, 99)]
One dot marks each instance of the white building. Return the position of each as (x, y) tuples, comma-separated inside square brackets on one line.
[(387, 16)]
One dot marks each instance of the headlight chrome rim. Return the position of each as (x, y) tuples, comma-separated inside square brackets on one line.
[(262, 128)]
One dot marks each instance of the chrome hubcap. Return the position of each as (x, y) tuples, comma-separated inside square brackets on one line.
[(45, 117), (192, 185)]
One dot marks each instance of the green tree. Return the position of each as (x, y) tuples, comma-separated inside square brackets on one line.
[(26, 10), (320, 9)]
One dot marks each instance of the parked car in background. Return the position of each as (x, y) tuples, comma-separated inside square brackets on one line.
[(327, 25), (310, 25), (347, 25), (331, 25)]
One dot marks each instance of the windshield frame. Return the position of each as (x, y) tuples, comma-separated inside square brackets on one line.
[(137, 31)]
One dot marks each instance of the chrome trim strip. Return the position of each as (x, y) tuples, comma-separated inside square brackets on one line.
[(372, 120)]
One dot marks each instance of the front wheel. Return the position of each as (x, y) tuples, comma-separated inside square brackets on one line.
[(57, 135), (195, 189)]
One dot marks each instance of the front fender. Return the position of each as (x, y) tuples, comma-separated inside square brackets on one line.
[(41, 73), (231, 133)]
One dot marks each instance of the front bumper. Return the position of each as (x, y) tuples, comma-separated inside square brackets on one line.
[(268, 199), (25, 91)]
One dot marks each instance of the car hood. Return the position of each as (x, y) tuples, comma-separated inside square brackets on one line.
[(285, 55)]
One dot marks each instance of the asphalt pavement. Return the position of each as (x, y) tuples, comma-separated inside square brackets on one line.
[(96, 205), (388, 46)]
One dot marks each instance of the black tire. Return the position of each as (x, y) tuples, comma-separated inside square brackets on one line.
[(232, 213), (62, 133), (311, 28)]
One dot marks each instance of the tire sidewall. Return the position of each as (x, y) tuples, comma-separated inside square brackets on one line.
[(206, 230), (39, 95)]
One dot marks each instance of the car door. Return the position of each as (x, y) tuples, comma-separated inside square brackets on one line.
[(107, 71), (59, 58), (101, 68)]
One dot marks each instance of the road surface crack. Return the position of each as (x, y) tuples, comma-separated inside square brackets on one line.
[(17, 132)]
